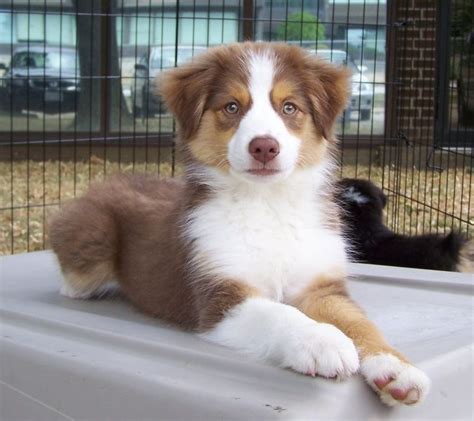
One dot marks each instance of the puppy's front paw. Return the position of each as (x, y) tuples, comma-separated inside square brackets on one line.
[(322, 349), (395, 381)]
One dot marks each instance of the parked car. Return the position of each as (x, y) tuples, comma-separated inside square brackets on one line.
[(362, 91), (41, 78), (145, 102)]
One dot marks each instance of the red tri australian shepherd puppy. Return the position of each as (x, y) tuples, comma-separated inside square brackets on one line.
[(247, 249)]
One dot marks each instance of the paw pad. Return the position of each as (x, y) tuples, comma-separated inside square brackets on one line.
[(381, 383), (395, 381)]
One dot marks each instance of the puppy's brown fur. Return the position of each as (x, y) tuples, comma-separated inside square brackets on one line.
[(327, 300), (125, 225), (131, 229), (196, 94)]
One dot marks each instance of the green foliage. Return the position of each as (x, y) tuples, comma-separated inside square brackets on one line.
[(463, 18), (300, 27)]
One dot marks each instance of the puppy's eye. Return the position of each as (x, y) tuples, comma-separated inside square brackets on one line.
[(289, 108), (232, 108)]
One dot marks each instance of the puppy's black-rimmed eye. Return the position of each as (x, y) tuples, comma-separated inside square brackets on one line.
[(289, 108), (232, 107)]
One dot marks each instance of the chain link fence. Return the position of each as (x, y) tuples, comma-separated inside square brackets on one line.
[(77, 102)]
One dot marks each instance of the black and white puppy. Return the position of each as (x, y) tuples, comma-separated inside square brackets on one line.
[(362, 204)]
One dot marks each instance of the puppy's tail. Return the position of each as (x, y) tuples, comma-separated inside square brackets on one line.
[(84, 236)]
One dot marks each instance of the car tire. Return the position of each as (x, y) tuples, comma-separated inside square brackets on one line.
[(16, 108), (145, 105), (137, 111), (3, 101), (365, 115)]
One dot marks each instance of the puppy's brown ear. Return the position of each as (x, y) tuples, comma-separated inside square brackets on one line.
[(328, 87), (184, 91)]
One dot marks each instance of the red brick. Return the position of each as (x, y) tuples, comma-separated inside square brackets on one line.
[(428, 53), (406, 43), (411, 31), (424, 102), (410, 92), (410, 52), (429, 34), (425, 43), (405, 103), (409, 73), (421, 83), (428, 73), (425, 4), (428, 62), (427, 92), (428, 14), (428, 114), (413, 14)]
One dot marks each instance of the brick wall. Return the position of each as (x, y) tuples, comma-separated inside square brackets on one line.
[(415, 60)]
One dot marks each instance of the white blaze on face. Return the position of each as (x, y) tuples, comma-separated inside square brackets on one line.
[(262, 120)]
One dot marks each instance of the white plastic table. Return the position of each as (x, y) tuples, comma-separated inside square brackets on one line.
[(102, 360)]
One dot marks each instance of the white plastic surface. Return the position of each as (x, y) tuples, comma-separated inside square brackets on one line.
[(101, 360)]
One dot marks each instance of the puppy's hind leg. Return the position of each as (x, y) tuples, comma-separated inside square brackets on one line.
[(84, 237), (93, 284)]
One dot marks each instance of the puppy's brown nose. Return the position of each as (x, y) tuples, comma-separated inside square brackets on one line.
[(264, 148)]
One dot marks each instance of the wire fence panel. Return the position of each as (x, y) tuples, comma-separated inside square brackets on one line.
[(78, 102)]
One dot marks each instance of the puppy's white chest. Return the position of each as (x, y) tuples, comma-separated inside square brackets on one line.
[(274, 245)]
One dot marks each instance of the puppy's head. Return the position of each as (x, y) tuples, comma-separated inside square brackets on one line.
[(361, 194), (258, 111)]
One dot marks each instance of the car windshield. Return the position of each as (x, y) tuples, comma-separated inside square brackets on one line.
[(162, 59), (36, 59), (336, 57)]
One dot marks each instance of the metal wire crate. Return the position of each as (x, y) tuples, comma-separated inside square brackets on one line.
[(77, 103)]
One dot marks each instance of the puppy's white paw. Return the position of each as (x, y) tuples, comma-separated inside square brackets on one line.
[(69, 292), (395, 381), (322, 349), (93, 292), (283, 335)]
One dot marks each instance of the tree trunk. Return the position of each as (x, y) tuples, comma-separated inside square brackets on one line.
[(88, 47), (119, 113), (92, 61)]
